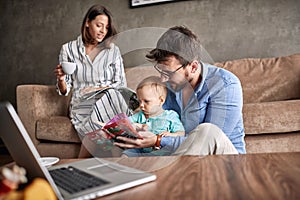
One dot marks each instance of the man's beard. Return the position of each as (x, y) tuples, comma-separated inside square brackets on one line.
[(176, 87)]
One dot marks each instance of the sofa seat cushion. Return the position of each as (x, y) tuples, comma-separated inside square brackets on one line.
[(268, 143), (56, 128), (271, 117), (62, 150), (267, 79)]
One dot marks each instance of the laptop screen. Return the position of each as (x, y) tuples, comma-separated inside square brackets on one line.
[(20, 146)]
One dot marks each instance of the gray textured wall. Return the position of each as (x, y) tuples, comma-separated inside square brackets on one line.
[(32, 31)]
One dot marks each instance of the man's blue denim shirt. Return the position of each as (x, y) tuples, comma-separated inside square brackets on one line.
[(218, 99)]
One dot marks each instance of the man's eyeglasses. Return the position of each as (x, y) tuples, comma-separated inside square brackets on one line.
[(166, 74)]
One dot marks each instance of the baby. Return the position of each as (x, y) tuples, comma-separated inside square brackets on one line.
[(152, 93)]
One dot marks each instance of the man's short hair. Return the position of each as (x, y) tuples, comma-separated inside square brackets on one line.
[(178, 41)]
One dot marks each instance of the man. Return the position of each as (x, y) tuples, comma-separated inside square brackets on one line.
[(207, 98)]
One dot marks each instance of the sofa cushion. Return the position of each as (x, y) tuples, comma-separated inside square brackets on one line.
[(267, 143), (272, 117), (61, 150), (56, 128), (267, 79)]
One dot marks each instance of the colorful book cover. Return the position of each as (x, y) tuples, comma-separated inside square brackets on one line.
[(119, 125)]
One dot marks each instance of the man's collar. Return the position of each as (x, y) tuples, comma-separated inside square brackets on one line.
[(203, 74)]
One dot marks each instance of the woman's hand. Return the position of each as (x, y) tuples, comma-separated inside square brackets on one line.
[(59, 73), (60, 76), (89, 89), (149, 140)]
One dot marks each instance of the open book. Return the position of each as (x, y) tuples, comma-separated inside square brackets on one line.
[(128, 94), (119, 125)]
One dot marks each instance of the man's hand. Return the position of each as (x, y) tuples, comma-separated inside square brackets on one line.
[(148, 140)]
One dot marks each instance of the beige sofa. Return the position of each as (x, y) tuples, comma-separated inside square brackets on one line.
[(271, 112)]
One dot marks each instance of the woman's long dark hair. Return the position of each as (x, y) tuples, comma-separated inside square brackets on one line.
[(91, 14)]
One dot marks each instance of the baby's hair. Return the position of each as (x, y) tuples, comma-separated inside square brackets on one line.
[(156, 83)]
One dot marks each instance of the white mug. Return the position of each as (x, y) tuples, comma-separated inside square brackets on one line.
[(68, 67)]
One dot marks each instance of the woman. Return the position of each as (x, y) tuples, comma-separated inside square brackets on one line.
[(99, 65)]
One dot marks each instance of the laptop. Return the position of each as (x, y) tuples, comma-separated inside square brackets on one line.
[(103, 177)]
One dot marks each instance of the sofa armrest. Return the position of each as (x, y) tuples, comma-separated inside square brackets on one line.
[(36, 102)]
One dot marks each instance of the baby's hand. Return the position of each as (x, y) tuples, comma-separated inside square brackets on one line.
[(178, 133), (165, 133), (140, 127)]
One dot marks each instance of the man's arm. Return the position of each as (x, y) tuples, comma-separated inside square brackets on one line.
[(225, 108)]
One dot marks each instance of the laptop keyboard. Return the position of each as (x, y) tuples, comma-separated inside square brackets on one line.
[(74, 180)]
